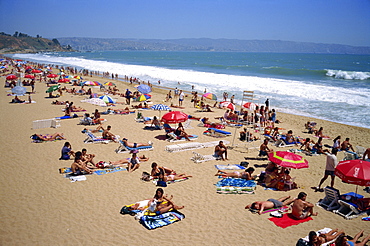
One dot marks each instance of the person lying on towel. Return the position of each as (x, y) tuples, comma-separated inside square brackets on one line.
[(270, 203)]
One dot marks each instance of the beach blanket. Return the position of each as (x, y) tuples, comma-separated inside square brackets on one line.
[(229, 167), (153, 222), (288, 220), (109, 170), (235, 190)]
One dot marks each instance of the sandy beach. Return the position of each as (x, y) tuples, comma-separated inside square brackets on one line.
[(41, 207)]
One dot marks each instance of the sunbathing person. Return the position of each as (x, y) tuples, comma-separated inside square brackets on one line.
[(67, 151), (53, 137), (108, 135), (180, 132), (301, 209), (247, 174), (78, 166), (316, 240), (127, 160), (88, 158), (134, 163), (344, 240), (158, 170), (270, 203), (154, 122), (173, 177), (264, 149), (346, 146), (220, 150), (163, 202), (135, 145)]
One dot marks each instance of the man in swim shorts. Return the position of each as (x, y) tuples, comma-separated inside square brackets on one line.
[(301, 209), (270, 203)]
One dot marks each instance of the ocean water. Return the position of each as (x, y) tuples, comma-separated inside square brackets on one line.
[(325, 86)]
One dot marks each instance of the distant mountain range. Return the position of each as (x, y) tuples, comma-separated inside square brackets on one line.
[(206, 44)]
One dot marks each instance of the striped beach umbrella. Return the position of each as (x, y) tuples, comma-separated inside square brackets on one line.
[(109, 84), (210, 96), (160, 107), (143, 97), (228, 105), (288, 159), (91, 83), (107, 99)]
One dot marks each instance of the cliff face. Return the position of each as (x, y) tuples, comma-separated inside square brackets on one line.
[(27, 44)]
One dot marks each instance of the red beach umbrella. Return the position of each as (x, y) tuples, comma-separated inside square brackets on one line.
[(288, 159), (354, 172), (36, 71), (174, 117), (228, 105), (11, 77), (52, 75), (63, 81), (29, 76), (250, 105)]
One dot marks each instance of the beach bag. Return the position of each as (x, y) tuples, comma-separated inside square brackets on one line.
[(280, 185), (161, 183), (145, 176)]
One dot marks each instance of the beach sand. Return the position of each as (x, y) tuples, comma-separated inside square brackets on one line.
[(41, 207)]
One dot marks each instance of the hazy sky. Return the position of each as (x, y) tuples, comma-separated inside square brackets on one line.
[(319, 21)]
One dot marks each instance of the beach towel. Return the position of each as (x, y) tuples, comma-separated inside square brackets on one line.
[(153, 222), (288, 220), (235, 186), (282, 209), (229, 167), (170, 181), (77, 178), (110, 170), (236, 182)]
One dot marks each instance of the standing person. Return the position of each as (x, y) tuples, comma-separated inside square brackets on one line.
[(331, 163), (176, 93), (128, 96), (181, 98), (267, 103), (232, 98), (301, 209)]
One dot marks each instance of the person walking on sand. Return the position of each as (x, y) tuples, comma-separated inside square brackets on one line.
[(331, 163), (181, 98), (302, 209)]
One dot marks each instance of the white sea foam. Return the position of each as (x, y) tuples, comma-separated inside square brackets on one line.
[(349, 75), (219, 82), (318, 100)]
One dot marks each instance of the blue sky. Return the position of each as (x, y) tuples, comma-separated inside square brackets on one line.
[(319, 21)]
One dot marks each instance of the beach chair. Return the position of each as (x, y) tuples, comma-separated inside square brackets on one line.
[(172, 137), (91, 138), (183, 147), (198, 158), (360, 151), (348, 156), (187, 125), (280, 143), (330, 201), (86, 122), (349, 210), (218, 133), (122, 148)]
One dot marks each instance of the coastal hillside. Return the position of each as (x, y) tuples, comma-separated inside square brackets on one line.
[(22, 43), (206, 44)]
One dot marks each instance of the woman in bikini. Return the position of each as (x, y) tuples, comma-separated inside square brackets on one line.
[(245, 175)]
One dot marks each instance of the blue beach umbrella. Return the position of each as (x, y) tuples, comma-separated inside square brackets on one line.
[(160, 107), (107, 99), (145, 89), (19, 90)]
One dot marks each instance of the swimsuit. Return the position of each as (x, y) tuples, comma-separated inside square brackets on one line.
[(277, 203)]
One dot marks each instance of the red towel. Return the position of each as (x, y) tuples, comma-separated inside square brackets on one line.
[(288, 220)]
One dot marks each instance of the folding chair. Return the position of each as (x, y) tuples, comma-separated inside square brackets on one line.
[(330, 201)]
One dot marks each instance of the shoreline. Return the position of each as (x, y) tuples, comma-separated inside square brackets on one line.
[(43, 208)]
